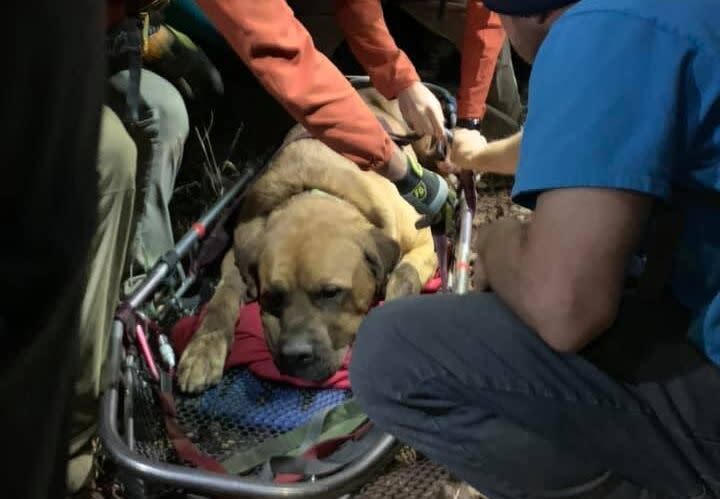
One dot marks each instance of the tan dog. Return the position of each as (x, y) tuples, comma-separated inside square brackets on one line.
[(317, 240)]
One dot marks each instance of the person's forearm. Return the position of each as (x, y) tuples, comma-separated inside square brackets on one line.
[(280, 53), (500, 156), (499, 247), (367, 35)]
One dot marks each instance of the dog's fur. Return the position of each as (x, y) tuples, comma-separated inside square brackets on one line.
[(317, 241)]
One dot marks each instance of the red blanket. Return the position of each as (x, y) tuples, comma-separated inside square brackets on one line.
[(250, 349)]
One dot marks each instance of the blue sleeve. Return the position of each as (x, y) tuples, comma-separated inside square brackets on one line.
[(605, 107)]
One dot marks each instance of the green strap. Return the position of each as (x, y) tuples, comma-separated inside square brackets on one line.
[(328, 424)]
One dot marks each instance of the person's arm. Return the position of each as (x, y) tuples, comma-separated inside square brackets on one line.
[(363, 24), (390, 70), (280, 53), (470, 151), (562, 272), (482, 42), (593, 160)]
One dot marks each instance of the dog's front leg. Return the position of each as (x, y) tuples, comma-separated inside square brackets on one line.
[(414, 269), (202, 362)]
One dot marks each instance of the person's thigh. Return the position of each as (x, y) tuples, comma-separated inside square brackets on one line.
[(160, 137), (451, 375)]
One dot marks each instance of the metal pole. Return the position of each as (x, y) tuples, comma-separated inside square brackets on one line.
[(461, 275), (206, 482)]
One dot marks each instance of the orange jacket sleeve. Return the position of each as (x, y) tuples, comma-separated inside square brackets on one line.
[(367, 35), (482, 42), (280, 53)]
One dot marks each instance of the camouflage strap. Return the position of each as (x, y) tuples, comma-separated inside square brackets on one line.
[(331, 423)]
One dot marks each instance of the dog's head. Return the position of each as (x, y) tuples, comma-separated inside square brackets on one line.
[(317, 277)]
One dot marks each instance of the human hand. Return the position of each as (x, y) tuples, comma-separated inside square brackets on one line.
[(422, 111), (465, 152)]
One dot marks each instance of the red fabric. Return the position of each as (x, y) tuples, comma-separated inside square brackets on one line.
[(249, 348)]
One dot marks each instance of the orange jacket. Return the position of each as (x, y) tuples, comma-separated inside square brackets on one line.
[(482, 42), (280, 52)]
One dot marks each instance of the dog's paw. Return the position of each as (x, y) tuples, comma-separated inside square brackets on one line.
[(404, 281), (202, 362)]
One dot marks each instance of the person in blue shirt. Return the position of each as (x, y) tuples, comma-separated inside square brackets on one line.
[(566, 374)]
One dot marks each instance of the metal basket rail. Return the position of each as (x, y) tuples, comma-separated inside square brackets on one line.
[(119, 408)]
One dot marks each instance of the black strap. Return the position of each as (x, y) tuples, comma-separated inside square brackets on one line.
[(708, 197), (661, 244), (665, 235), (133, 49)]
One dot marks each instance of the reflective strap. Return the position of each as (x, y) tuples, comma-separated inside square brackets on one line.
[(134, 46), (332, 423), (348, 452)]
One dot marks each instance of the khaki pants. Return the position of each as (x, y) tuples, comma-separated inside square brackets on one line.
[(137, 166), (117, 157), (160, 137)]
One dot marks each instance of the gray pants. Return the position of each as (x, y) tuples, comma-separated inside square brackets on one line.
[(160, 138), (465, 381)]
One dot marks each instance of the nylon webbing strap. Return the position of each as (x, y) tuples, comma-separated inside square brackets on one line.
[(134, 54), (348, 452), (467, 182), (332, 423), (186, 450)]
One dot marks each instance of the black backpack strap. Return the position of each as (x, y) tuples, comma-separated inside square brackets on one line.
[(662, 242), (665, 235), (133, 27)]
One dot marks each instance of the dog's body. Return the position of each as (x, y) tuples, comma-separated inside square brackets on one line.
[(317, 241)]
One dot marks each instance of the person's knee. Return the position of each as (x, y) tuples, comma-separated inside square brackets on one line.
[(117, 156), (161, 96), (161, 103), (377, 355)]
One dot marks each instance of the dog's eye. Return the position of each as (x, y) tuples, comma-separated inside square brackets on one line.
[(272, 301), (328, 293)]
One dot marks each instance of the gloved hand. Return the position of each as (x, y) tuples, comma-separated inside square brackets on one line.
[(428, 193), (172, 55), (422, 111)]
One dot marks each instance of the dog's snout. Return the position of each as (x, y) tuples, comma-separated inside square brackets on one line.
[(297, 353)]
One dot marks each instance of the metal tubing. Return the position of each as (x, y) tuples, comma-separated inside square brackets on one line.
[(362, 81), (207, 482), (190, 237), (350, 478), (146, 288), (115, 353), (461, 276), (161, 269), (128, 416)]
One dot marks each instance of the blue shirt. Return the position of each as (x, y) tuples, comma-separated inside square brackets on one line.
[(625, 94)]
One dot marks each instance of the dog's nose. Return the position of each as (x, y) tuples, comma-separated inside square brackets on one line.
[(297, 353)]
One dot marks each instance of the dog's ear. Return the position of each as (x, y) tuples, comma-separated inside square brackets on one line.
[(381, 254), (248, 243)]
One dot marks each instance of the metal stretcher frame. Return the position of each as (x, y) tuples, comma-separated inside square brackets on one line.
[(120, 446)]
